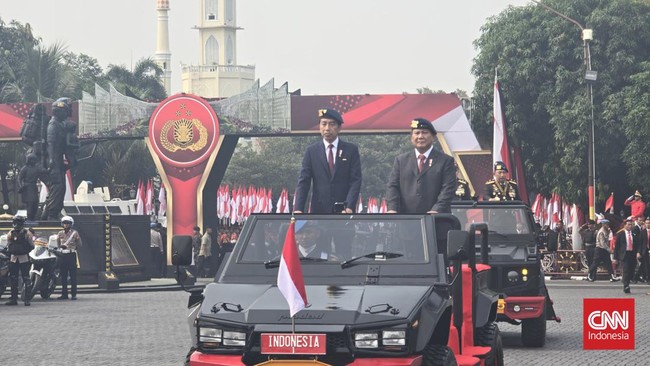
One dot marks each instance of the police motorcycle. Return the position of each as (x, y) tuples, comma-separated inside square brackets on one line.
[(4, 265), (44, 273)]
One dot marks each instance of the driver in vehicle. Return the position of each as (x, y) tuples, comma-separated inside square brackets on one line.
[(309, 238)]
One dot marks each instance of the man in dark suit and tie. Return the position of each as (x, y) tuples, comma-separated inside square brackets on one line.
[(423, 180), (333, 167), (625, 250), (643, 272), (312, 243)]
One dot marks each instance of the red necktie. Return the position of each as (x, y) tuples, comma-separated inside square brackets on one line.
[(421, 159), (330, 158), (629, 241)]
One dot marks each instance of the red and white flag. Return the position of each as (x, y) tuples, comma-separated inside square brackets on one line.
[(148, 200), (290, 280), (359, 205), (140, 199), (609, 204), (500, 148), (69, 192), (162, 198)]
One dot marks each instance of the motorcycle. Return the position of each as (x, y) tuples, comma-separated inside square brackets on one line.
[(44, 273), (4, 265)]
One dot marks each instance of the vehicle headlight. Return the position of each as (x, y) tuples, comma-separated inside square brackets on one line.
[(513, 276), (393, 338), (366, 340), (231, 338), (216, 337), (210, 335)]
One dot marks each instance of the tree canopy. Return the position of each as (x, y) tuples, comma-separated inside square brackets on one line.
[(541, 71)]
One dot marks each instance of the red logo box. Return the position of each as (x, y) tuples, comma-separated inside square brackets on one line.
[(608, 323)]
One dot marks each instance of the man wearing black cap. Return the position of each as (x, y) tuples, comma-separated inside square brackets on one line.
[(333, 167), (423, 180), (500, 188)]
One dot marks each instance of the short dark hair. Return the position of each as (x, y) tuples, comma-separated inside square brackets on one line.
[(196, 228)]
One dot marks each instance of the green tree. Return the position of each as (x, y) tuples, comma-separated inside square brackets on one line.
[(85, 71), (540, 64), (143, 80)]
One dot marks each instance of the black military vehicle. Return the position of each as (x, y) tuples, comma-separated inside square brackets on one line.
[(379, 291), (514, 259)]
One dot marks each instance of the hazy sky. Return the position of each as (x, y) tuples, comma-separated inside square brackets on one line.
[(320, 46)]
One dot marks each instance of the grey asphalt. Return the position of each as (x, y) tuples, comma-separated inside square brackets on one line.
[(149, 327)]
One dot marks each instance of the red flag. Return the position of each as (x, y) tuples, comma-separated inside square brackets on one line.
[(609, 204), (140, 199), (500, 148), (290, 280)]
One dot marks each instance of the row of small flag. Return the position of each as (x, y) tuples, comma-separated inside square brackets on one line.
[(144, 197), (549, 211), (237, 204)]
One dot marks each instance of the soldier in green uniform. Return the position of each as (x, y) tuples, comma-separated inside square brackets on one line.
[(462, 192), (500, 188)]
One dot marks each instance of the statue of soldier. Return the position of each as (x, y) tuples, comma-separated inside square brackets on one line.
[(28, 179), (60, 143)]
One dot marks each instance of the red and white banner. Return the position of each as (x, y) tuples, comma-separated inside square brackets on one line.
[(290, 280), (500, 148), (609, 204)]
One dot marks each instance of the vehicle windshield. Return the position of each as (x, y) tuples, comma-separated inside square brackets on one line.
[(504, 221), (335, 240)]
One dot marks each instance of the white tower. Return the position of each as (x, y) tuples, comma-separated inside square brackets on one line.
[(163, 55), (218, 74)]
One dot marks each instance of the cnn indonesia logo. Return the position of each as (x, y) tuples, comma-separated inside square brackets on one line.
[(608, 323)]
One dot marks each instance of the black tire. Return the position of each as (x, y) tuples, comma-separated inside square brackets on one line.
[(49, 290), (490, 336), (3, 287), (189, 354), (437, 355), (533, 331), (37, 282)]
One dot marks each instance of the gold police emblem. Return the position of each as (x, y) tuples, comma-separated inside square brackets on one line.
[(322, 112), (414, 124), (183, 133)]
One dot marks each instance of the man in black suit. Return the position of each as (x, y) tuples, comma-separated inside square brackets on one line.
[(626, 251), (312, 243), (333, 167), (643, 271), (423, 180)]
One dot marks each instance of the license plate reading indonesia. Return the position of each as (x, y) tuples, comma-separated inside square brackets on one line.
[(293, 344)]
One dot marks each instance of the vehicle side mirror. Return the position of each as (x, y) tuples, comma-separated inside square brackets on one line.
[(181, 250), (456, 244)]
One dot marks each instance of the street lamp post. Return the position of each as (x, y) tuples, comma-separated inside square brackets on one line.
[(590, 77)]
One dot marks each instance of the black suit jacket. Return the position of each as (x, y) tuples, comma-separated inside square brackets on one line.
[(621, 244), (344, 186), (431, 190), (643, 242)]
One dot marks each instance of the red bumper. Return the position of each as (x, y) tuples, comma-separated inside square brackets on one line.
[(529, 307), (201, 359)]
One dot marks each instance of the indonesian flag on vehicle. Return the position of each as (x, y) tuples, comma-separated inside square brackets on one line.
[(290, 280), (500, 148)]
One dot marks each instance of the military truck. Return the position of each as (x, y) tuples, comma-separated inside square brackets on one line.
[(514, 257), (380, 291)]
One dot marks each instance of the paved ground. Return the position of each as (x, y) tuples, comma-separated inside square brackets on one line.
[(149, 328)]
